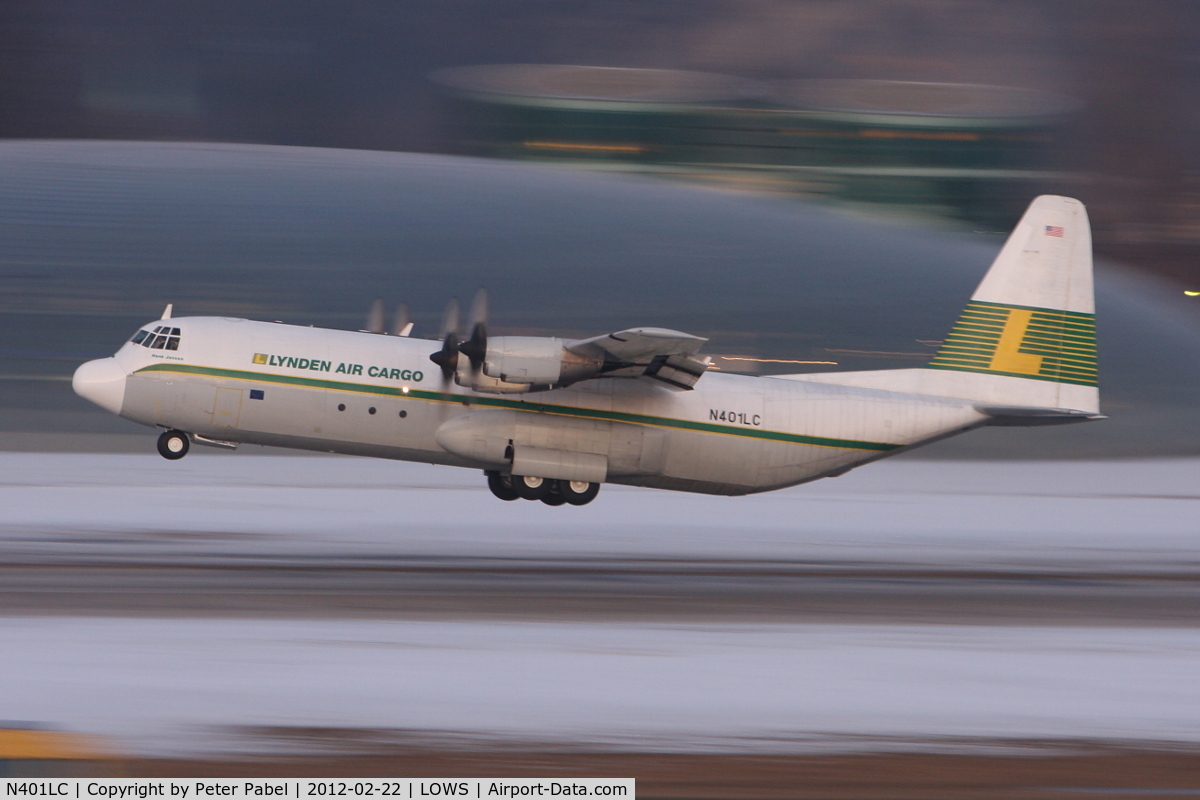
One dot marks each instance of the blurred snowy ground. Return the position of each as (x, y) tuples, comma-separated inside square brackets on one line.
[(1129, 516), (170, 686), (176, 685)]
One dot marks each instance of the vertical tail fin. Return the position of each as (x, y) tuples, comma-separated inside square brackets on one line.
[(1033, 316), (1025, 347)]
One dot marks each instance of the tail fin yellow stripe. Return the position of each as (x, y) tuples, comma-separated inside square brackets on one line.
[(1041, 343)]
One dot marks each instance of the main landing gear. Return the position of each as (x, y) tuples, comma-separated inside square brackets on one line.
[(173, 445), (551, 492)]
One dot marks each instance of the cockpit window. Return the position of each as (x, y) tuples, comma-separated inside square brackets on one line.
[(162, 337)]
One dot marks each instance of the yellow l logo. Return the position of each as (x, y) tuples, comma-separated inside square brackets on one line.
[(1008, 357)]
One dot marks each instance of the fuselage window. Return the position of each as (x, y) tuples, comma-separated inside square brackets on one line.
[(173, 343), (137, 337), (159, 342)]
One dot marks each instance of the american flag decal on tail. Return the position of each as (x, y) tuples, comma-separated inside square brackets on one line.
[(1054, 230)]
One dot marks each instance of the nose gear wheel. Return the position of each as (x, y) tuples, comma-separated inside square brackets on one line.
[(173, 445)]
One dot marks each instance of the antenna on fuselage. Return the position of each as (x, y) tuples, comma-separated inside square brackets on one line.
[(167, 311)]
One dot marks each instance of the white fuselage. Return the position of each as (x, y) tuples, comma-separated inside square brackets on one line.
[(237, 380)]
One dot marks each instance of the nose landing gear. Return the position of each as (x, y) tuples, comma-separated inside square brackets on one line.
[(551, 492), (173, 445)]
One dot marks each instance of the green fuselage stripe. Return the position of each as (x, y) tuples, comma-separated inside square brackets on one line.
[(519, 405)]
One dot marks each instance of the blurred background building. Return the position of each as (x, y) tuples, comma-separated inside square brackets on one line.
[(965, 151), (1099, 98)]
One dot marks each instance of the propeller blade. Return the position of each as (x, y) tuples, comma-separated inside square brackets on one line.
[(475, 347), (450, 319), (402, 325), (375, 317), (479, 308), (447, 357)]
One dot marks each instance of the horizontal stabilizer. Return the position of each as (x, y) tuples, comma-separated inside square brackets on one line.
[(1028, 417)]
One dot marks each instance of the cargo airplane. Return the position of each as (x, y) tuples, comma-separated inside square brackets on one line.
[(552, 419)]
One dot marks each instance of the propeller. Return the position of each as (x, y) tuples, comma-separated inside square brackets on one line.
[(402, 325), (375, 317), (475, 347), (447, 357)]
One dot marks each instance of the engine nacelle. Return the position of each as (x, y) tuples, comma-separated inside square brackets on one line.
[(480, 382), (536, 361)]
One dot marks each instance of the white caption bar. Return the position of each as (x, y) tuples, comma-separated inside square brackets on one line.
[(196, 789)]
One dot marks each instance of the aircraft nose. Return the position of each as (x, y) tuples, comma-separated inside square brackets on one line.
[(103, 382)]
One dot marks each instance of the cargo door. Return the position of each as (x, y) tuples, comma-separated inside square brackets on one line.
[(227, 408)]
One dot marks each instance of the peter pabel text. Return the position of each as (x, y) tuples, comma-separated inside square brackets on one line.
[(194, 789)]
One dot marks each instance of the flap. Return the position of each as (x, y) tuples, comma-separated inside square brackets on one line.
[(680, 372)]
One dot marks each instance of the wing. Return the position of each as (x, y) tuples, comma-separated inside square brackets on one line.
[(638, 344), (665, 355)]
